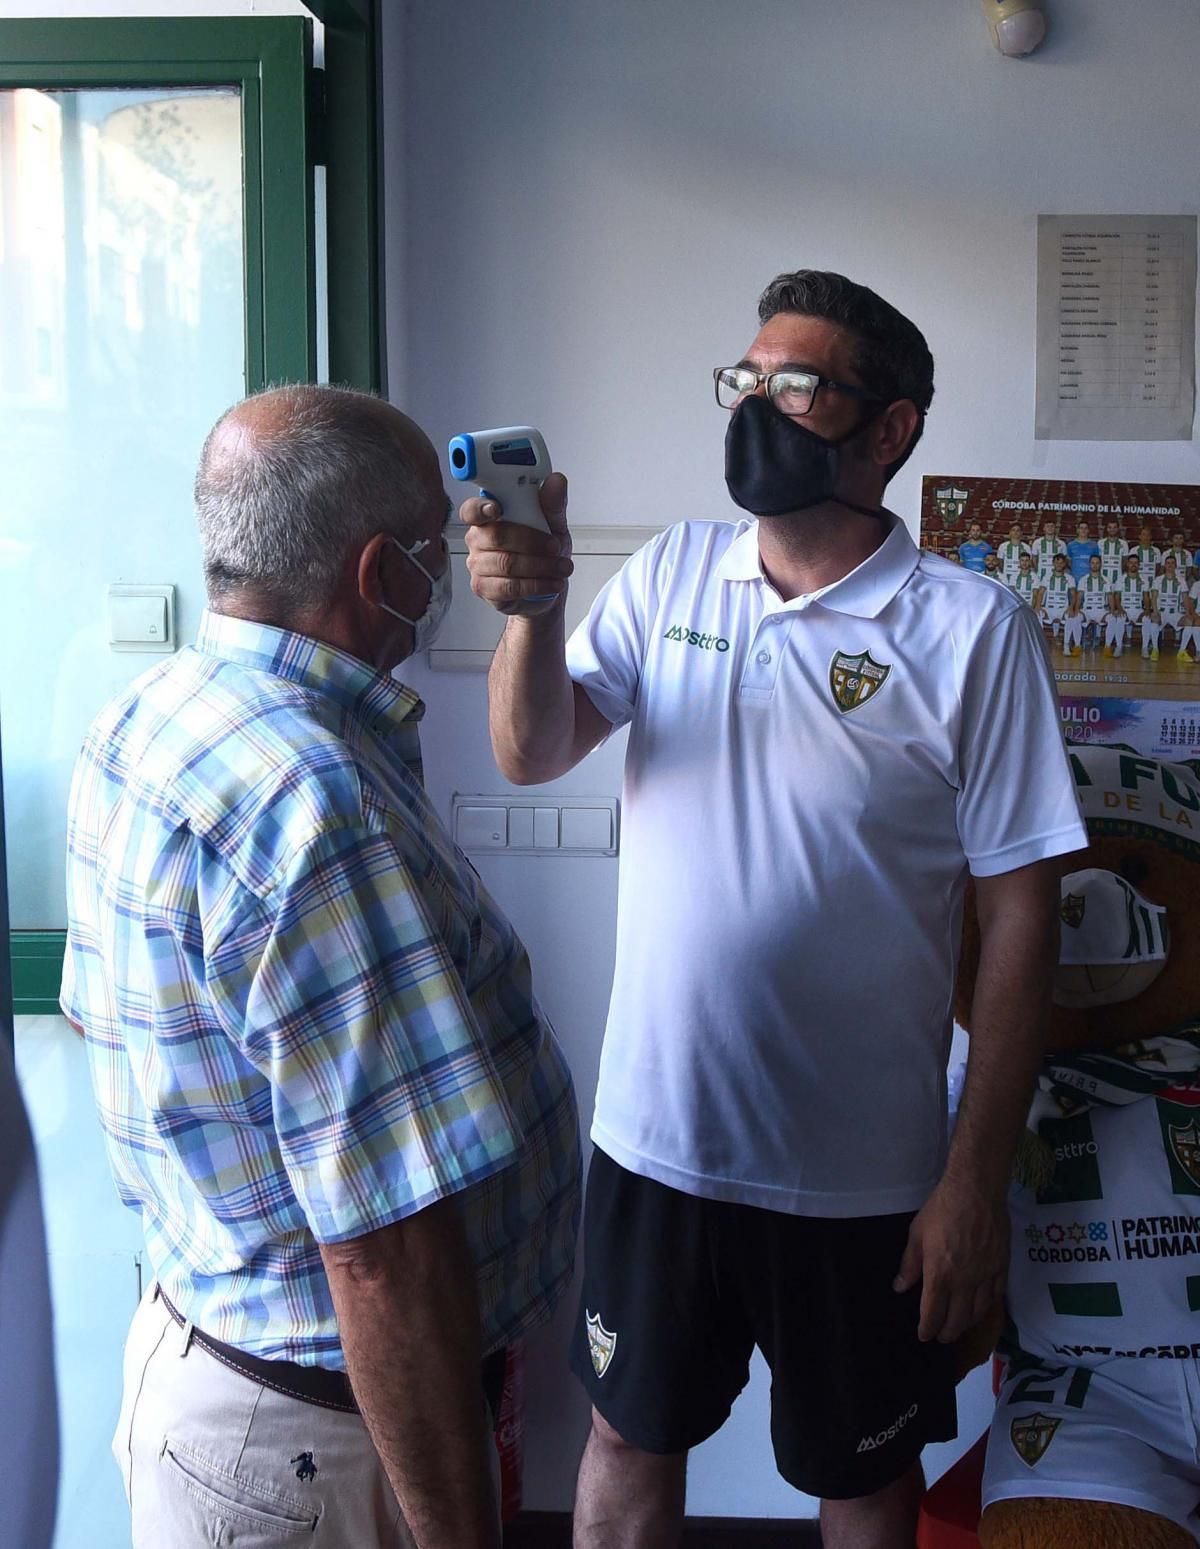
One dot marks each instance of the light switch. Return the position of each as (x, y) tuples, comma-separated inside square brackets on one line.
[(545, 828), (481, 828), (141, 618), (586, 828), (520, 828)]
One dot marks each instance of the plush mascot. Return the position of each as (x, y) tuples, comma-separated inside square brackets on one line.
[(1095, 1442)]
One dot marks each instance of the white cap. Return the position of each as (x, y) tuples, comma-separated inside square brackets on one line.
[(1113, 941)]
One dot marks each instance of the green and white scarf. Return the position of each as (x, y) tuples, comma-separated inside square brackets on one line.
[(1069, 1083)]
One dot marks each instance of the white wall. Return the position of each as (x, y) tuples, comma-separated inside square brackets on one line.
[(583, 204)]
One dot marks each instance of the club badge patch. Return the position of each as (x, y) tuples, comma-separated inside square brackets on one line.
[(1031, 1435), (855, 679), (601, 1343), (1185, 1142), (1072, 909), (950, 503)]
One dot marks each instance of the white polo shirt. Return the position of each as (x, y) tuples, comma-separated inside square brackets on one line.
[(806, 786)]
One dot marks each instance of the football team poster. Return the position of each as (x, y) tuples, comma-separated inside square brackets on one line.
[(1113, 573)]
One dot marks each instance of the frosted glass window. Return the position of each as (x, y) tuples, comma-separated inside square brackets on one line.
[(122, 338)]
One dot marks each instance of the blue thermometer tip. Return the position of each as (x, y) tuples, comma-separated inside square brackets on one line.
[(462, 457)]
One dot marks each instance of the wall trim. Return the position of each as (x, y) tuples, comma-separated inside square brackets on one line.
[(37, 964), (552, 1530)]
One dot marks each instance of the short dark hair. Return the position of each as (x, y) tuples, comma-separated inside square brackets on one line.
[(891, 356)]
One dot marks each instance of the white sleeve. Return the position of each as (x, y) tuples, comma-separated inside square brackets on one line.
[(606, 651), (1016, 798)]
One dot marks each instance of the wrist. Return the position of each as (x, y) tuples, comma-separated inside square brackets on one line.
[(547, 624), (970, 1175)]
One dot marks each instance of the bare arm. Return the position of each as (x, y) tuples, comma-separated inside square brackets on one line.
[(542, 723), (409, 1324), (958, 1242)]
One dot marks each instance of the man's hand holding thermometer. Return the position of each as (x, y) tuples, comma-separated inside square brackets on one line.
[(518, 545)]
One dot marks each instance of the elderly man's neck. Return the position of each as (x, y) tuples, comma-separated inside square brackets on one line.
[(332, 625)]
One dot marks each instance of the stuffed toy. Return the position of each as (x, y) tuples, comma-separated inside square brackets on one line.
[(1095, 1441)]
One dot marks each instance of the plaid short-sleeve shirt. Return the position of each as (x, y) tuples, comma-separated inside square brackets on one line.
[(305, 1017)]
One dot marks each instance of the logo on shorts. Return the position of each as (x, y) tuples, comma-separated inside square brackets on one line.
[(1185, 1142), (889, 1433), (307, 1469), (601, 1343), (1031, 1435), (855, 679), (1071, 910)]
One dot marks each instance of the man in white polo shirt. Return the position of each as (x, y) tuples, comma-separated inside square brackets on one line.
[(828, 731)]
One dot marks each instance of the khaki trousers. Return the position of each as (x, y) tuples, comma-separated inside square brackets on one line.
[(212, 1458)]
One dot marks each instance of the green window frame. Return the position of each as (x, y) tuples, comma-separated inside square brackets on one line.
[(294, 118), (349, 143)]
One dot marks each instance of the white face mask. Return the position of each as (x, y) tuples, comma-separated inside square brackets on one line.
[(441, 589)]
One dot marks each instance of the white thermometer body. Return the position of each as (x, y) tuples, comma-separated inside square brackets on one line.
[(508, 465)]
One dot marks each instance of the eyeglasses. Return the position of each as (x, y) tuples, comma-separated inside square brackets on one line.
[(792, 392)]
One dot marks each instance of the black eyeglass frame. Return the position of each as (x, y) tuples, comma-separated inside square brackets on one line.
[(768, 376)]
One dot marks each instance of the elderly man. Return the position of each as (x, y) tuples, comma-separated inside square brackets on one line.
[(324, 1080), (802, 807)]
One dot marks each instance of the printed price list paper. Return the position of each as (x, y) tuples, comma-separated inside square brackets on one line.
[(1116, 327)]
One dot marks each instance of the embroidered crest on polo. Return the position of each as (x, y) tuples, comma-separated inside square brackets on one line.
[(1031, 1435), (601, 1343), (855, 679)]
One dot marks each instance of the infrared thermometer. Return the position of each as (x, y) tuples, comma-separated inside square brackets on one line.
[(509, 466)]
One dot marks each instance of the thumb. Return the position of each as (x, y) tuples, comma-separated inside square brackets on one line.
[(910, 1265), (553, 500)]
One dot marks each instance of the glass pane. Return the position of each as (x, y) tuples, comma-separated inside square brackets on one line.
[(122, 337), (122, 329)]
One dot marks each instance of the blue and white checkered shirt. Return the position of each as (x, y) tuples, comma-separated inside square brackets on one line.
[(306, 1018)]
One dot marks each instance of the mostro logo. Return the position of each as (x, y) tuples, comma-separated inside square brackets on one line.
[(1075, 1149), (881, 1438), (687, 636)]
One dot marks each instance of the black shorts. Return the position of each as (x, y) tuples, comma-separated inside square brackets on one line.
[(677, 1291)]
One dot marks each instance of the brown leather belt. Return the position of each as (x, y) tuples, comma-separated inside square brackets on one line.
[(311, 1384)]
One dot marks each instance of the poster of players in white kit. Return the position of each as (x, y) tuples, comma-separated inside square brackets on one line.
[(1113, 573)]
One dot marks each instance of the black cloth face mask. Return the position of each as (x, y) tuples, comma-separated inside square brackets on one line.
[(773, 465)]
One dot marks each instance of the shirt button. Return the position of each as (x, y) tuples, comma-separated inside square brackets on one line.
[(763, 658)]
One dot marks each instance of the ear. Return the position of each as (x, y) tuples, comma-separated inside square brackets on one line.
[(893, 430), (370, 563)]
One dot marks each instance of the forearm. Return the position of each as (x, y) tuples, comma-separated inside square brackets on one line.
[(409, 1325), (1008, 1022), (531, 700)]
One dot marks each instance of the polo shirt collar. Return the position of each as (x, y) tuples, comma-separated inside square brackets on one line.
[(369, 696), (864, 593)]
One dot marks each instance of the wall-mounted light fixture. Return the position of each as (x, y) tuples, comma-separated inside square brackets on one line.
[(1016, 26)]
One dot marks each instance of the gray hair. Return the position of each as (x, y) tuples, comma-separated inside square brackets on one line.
[(283, 506)]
